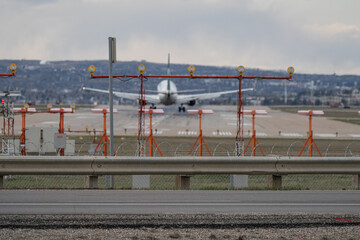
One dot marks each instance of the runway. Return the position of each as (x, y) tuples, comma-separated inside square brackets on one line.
[(220, 124), (179, 202)]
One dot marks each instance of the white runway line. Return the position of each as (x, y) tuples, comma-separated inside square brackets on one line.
[(221, 133), (158, 132), (49, 122), (291, 135), (354, 135), (187, 133), (325, 135), (261, 134)]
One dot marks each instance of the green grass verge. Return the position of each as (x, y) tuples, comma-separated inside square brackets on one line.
[(197, 182)]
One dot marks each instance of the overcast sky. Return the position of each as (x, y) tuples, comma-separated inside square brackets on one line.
[(319, 36)]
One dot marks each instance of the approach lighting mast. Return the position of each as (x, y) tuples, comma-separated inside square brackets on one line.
[(200, 140), (310, 141), (151, 138), (254, 142), (239, 144)]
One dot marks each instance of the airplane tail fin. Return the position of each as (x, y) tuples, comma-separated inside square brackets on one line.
[(168, 73)]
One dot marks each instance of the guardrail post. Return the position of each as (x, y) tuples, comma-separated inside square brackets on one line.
[(182, 182), (274, 181), (1, 182), (356, 181), (91, 182)]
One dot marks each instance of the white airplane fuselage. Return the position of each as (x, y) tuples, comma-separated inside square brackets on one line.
[(167, 94)]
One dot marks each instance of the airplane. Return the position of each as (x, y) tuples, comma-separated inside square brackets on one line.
[(167, 94)]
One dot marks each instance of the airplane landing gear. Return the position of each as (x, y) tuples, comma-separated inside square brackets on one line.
[(181, 108)]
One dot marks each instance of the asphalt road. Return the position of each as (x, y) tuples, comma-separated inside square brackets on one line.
[(183, 202)]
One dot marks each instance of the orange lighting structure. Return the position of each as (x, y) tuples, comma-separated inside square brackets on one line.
[(200, 138), (239, 142), (23, 112), (253, 139), (104, 139), (12, 68), (310, 141), (61, 123), (151, 138)]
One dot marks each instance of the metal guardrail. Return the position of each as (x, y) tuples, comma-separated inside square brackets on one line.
[(92, 165)]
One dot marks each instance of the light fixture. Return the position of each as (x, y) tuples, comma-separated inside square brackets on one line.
[(26, 106), (13, 67), (241, 69), (141, 68), (191, 69), (291, 70), (49, 106), (91, 69)]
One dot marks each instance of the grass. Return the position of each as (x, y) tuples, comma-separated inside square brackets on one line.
[(198, 182)]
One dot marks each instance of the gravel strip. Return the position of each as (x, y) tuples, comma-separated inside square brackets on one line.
[(177, 226)]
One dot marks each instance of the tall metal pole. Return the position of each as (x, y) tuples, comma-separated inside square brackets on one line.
[(240, 122), (285, 92), (112, 59)]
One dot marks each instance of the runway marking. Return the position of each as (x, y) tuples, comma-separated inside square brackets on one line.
[(325, 135), (221, 133), (187, 132), (291, 134), (354, 135), (158, 132), (260, 134), (50, 122), (177, 204)]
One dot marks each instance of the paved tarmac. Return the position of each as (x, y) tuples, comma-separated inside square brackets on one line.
[(222, 123), (181, 202)]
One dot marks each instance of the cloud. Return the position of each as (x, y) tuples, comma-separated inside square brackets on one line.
[(31, 2), (255, 33), (333, 30)]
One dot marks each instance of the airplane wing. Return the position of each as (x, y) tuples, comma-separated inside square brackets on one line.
[(203, 96), (149, 98), (10, 94)]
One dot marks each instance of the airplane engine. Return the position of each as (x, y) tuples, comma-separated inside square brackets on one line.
[(191, 103)]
